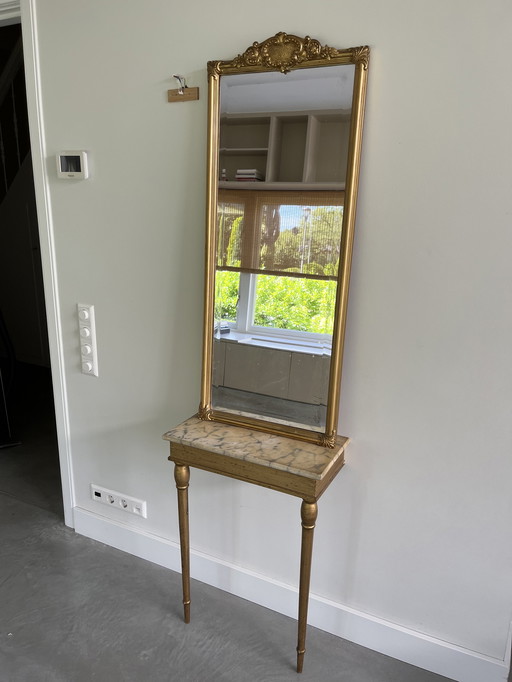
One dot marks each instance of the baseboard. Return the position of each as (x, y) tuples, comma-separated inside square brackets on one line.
[(387, 638)]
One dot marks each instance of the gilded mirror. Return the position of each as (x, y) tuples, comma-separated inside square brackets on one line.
[(284, 139)]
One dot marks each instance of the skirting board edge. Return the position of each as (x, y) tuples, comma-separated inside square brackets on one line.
[(355, 626)]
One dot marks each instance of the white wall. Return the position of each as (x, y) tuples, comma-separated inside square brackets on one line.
[(414, 532)]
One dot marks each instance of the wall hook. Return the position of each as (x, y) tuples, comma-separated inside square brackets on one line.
[(181, 81), (183, 93)]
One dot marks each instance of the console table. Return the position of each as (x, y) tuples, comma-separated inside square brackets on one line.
[(284, 464)]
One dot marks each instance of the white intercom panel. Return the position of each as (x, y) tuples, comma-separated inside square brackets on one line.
[(72, 165)]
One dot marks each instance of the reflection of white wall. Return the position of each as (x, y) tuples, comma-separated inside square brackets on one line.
[(414, 531), (281, 373), (302, 90)]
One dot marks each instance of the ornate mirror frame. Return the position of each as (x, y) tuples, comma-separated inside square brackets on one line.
[(284, 52)]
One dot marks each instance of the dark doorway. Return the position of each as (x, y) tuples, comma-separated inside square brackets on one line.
[(29, 460)]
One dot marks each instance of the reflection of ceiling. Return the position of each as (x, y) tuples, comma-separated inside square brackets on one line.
[(328, 87)]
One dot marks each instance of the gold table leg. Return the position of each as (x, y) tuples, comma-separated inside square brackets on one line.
[(182, 476), (308, 513)]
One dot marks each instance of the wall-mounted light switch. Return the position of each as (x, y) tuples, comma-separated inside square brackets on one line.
[(87, 331)]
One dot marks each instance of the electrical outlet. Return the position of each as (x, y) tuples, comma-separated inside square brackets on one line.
[(112, 498)]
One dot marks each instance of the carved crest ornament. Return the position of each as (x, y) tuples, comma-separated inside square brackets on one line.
[(285, 51)]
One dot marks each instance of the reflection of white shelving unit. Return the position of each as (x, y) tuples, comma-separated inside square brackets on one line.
[(291, 150), (244, 144)]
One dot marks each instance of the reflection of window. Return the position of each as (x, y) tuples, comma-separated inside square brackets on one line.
[(278, 258)]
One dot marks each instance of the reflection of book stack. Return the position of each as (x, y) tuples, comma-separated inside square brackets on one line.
[(249, 174)]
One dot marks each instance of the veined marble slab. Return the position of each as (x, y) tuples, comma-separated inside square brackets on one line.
[(278, 452)]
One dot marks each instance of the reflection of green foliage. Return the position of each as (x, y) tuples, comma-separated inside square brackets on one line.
[(293, 303), (228, 214), (287, 250), (226, 295), (313, 269), (331, 269), (313, 248), (234, 255), (281, 302), (314, 241), (270, 227)]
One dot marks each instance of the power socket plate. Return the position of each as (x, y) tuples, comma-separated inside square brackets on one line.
[(113, 498)]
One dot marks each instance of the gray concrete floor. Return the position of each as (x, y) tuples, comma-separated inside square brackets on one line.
[(75, 610)]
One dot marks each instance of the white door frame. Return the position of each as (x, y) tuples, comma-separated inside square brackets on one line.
[(10, 12)]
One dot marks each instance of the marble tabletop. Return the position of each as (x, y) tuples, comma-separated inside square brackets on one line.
[(278, 452)]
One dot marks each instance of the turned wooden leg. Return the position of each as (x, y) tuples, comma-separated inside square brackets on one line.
[(182, 476), (308, 513)]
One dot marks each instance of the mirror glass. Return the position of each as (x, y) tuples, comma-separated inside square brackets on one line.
[(280, 146), (282, 160)]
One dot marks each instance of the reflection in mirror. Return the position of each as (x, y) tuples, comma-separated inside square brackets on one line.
[(283, 157)]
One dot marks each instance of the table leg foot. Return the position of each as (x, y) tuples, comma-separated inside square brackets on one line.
[(300, 660)]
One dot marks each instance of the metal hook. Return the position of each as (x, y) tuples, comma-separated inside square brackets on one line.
[(182, 82)]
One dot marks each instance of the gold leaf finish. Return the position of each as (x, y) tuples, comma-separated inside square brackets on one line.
[(362, 56), (214, 70), (300, 469), (284, 52), (328, 440), (205, 413)]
